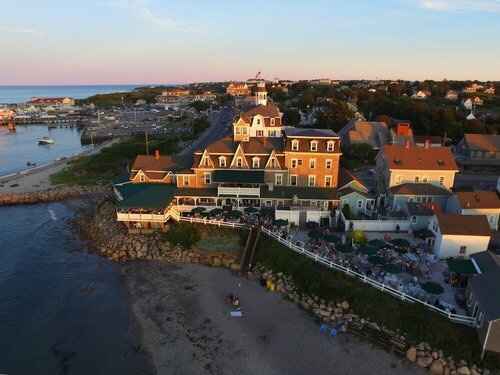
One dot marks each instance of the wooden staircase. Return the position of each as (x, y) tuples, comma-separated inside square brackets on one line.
[(251, 244)]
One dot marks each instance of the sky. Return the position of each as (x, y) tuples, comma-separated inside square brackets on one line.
[(162, 41)]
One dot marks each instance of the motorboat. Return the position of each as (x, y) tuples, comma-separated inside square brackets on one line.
[(45, 141), (30, 163)]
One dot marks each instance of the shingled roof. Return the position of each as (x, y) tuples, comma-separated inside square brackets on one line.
[(420, 158), (419, 189), (483, 199), (483, 142), (464, 225)]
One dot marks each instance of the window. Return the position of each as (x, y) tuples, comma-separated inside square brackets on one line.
[(238, 130), (398, 179), (463, 250), (413, 219), (328, 164), (330, 146), (280, 203), (328, 181), (493, 155), (491, 219), (480, 320), (483, 154), (311, 181), (142, 178), (360, 203), (411, 199), (293, 180), (417, 178), (419, 199), (239, 161), (441, 180), (244, 130), (272, 121), (260, 133), (206, 161), (299, 162), (258, 121), (313, 204), (222, 161), (278, 179), (344, 202), (473, 154), (312, 163), (273, 163), (185, 180), (208, 177), (256, 162), (314, 145), (295, 145), (294, 163), (425, 178), (268, 203)]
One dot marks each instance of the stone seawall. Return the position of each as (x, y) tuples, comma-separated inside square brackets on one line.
[(110, 239), (51, 195)]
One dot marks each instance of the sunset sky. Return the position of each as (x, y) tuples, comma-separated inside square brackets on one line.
[(161, 41)]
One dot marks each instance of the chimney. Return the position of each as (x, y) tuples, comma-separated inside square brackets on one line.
[(266, 142), (426, 143), (407, 143), (157, 154)]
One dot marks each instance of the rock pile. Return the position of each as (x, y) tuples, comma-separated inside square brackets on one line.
[(110, 238), (51, 195), (422, 354)]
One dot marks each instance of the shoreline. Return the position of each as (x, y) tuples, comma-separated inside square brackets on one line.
[(37, 179)]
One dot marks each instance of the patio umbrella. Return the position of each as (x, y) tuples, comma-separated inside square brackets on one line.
[(280, 222), (368, 250), (331, 238), (251, 210), (401, 242), (315, 234), (234, 213), (198, 210), (345, 248), (216, 211), (376, 260), (432, 288), (392, 268), (377, 243), (269, 211)]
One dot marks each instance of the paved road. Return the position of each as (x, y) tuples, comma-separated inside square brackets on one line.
[(220, 122), (477, 181)]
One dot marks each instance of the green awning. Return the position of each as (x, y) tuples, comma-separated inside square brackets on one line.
[(240, 176), (146, 195), (462, 266), (426, 233), (345, 248)]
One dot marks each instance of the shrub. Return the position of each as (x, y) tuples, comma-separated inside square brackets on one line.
[(358, 237)]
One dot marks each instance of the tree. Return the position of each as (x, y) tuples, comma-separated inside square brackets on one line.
[(200, 105), (291, 117), (346, 210), (335, 117), (363, 152), (384, 118), (307, 100)]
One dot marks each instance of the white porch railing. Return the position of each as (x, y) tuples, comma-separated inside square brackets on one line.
[(466, 320), (211, 222), (238, 191), (124, 216)]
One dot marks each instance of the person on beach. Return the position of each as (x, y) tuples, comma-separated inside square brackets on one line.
[(236, 304), (230, 299)]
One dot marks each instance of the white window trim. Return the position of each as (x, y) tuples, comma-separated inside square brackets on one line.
[(295, 145), (314, 146), (311, 178), (296, 179), (414, 219), (294, 163), (358, 205), (239, 162), (326, 163), (312, 163), (268, 203), (328, 178), (185, 180), (142, 178), (222, 161), (276, 179), (330, 146), (209, 175), (256, 162)]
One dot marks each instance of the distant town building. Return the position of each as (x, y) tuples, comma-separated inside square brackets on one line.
[(419, 95), (236, 88), (490, 90), (56, 102), (479, 152), (451, 95)]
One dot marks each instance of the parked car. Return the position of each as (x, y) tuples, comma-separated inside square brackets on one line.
[(372, 171)]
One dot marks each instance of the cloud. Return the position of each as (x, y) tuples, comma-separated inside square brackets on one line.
[(140, 9), (18, 30), (461, 5)]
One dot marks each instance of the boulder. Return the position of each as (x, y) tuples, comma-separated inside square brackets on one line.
[(411, 354), (424, 361), (235, 266), (463, 370), (421, 346), (345, 305), (325, 313), (437, 367)]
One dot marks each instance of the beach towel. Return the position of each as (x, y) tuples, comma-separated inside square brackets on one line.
[(323, 328), (236, 313), (333, 333)]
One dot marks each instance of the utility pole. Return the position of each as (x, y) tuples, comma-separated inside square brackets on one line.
[(147, 147), (91, 140)]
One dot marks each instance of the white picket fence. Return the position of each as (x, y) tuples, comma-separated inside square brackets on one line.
[(466, 320), (211, 222)]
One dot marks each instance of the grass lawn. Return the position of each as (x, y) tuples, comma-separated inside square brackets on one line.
[(228, 243), (112, 161), (413, 321)]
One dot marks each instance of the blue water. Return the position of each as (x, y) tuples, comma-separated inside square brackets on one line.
[(62, 310), (22, 94), (21, 146)]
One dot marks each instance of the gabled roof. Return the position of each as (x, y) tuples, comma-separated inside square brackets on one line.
[(308, 132), (483, 142), (374, 133), (419, 189), (263, 110), (346, 177), (158, 168), (420, 158), (464, 225), (483, 199), (423, 208)]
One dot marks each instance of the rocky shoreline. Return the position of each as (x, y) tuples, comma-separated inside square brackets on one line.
[(340, 314), (50, 195)]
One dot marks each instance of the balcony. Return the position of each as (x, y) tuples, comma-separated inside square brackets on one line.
[(149, 217), (226, 191)]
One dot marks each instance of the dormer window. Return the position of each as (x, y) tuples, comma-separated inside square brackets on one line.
[(206, 161), (222, 161), (239, 162), (314, 145), (142, 178), (295, 145), (272, 121), (330, 146), (256, 162), (258, 121), (440, 162)]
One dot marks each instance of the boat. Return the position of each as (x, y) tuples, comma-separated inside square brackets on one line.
[(30, 163), (45, 141)]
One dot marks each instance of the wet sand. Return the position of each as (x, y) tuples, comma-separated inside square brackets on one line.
[(187, 328)]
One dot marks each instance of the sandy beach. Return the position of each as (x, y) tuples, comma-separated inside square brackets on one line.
[(187, 328), (37, 179)]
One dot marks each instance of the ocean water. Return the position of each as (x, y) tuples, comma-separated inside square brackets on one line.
[(22, 94), (63, 310), (19, 147)]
